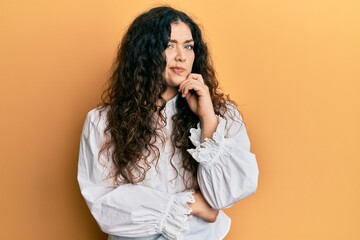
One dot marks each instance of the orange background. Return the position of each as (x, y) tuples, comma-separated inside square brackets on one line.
[(292, 66)]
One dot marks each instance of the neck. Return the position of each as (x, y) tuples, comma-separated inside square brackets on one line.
[(170, 93)]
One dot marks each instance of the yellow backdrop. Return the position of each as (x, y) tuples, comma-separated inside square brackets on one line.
[(292, 66)]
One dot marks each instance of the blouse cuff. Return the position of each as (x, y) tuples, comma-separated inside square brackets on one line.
[(177, 214), (208, 151)]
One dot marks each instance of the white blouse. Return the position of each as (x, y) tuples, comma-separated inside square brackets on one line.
[(157, 208)]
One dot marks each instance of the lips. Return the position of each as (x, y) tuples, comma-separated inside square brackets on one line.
[(177, 70)]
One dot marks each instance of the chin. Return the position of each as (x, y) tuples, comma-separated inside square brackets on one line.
[(175, 81)]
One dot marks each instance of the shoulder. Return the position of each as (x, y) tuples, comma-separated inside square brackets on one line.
[(97, 114), (233, 119), (230, 111), (96, 119)]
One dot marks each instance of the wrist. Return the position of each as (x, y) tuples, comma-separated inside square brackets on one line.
[(193, 205)]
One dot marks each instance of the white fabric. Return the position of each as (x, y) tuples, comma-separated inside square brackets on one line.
[(157, 208)]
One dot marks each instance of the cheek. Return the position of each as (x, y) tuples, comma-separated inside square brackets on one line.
[(169, 55), (191, 59)]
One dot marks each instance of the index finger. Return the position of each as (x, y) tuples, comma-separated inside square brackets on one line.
[(196, 76)]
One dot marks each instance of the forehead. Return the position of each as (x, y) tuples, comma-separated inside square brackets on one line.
[(180, 31)]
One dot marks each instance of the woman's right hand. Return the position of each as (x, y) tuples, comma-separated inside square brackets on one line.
[(200, 208)]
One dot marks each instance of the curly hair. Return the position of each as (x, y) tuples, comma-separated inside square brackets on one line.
[(135, 89)]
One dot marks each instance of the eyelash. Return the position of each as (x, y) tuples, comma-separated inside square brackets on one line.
[(188, 47)]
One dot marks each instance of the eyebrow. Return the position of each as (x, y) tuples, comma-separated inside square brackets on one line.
[(175, 41)]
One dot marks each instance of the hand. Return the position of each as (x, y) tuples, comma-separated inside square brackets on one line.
[(197, 95), (201, 209), (198, 98)]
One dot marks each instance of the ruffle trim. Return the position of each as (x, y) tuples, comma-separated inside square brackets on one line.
[(177, 214), (209, 150)]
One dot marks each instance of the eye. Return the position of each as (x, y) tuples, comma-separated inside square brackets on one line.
[(189, 47), (169, 46)]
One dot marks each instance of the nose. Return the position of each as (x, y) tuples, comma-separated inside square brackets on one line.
[(180, 55)]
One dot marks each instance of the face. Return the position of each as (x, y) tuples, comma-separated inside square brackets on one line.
[(179, 56)]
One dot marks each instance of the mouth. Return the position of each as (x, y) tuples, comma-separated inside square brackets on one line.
[(177, 70)]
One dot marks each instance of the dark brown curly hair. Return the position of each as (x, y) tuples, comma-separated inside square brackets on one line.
[(135, 89)]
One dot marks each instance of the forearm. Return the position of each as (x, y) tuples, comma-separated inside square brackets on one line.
[(208, 126), (122, 211)]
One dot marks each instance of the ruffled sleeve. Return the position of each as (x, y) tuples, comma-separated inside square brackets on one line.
[(126, 210), (227, 170)]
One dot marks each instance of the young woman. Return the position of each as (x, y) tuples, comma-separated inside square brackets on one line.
[(166, 150)]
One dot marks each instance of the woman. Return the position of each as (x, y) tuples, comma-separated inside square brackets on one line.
[(166, 151)]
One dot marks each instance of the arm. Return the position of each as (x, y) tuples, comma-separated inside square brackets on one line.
[(227, 171), (126, 210)]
